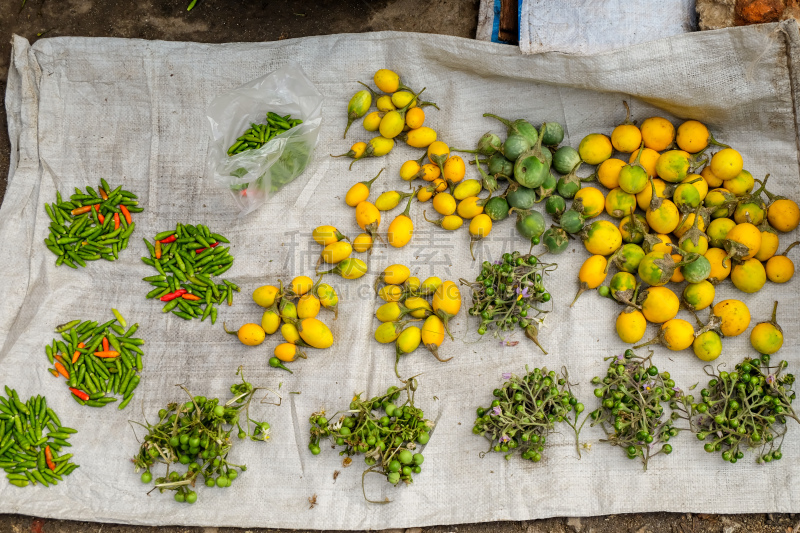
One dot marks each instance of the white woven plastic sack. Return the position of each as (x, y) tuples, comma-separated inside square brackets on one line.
[(251, 176), (134, 112)]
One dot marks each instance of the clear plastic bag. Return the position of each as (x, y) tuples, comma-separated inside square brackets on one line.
[(251, 176)]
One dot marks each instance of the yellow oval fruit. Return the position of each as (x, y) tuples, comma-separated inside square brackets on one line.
[(387, 332), (301, 285), (631, 325), (626, 138), (747, 235), (367, 215), (447, 299), (315, 333), (409, 170), (389, 312), (391, 293), (270, 321), (444, 203), (386, 80), (711, 180), (409, 340), (698, 183), (720, 267), (337, 252), (384, 104), (766, 338), (726, 164), (454, 169), (290, 334), (676, 334), (287, 352), (430, 285), (643, 198), (602, 237), (660, 304), (251, 334), (593, 201), (741, 184), (692, 136), (467, 188), (707, 346), (265, 295), (673, 165), (657, 133), (308, 306), (420, 305), (326, 235), (699, 295), (395, 274), (420, 137), (433, 333), (363, 242), (769, 246), (619, 203), (780, 269), (735, 317), (469, 208), (595, 148), (372, 121), (415, 117), (783, 214), (608, 172), (749, 276), (404, 98), (392, 124)]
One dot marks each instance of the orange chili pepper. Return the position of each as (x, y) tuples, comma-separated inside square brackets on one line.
[(77, 353), (107, 353), (53, 372), (158, 249), (58, 357), (81, 210), (126, 213), (105, 344), (116, 221), (190, 297), (48, 456), (97, 207), (61, 370), (102, 192), (101, 218)]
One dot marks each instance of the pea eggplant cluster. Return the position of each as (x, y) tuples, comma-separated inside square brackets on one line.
[(197, 434), (525, 412), (509, 293), (91, 225), (406, 302), (747, 408), (388, 433), (632, 397), (186, 259), (98, 360), (297, 321), (28, 455)]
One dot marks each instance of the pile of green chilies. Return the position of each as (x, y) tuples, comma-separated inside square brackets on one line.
[(92, 225), (186, 259), (27, 456), (260, 134), (97, 360)]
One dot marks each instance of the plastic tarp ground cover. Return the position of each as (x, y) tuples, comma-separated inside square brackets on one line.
[(133, 112)]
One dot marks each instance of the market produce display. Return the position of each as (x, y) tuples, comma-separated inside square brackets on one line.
[(632, 397), (186, 259), (510, 293), (525, 412), (97, 363), (390, 442), (406, 302), (27, 455), (91, 225), (297, 321), (197, 433)]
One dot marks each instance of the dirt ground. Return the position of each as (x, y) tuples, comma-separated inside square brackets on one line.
[(217, 21)]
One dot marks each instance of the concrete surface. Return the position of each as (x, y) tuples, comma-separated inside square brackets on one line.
[(216, 21)]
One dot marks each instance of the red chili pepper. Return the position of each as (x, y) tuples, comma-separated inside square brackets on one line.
[(48, 455), (201, 250), (126, 213), (97, 207), (79, 393), (105, 344), (171, 296), (101, 218), (116, 221), (171, 238), (190, 297)]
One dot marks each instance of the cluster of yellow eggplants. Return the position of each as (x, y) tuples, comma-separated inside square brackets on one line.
[(293, 311), (337, 250), (406, 302), (399, 115), (368, 215), (699, 226)]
